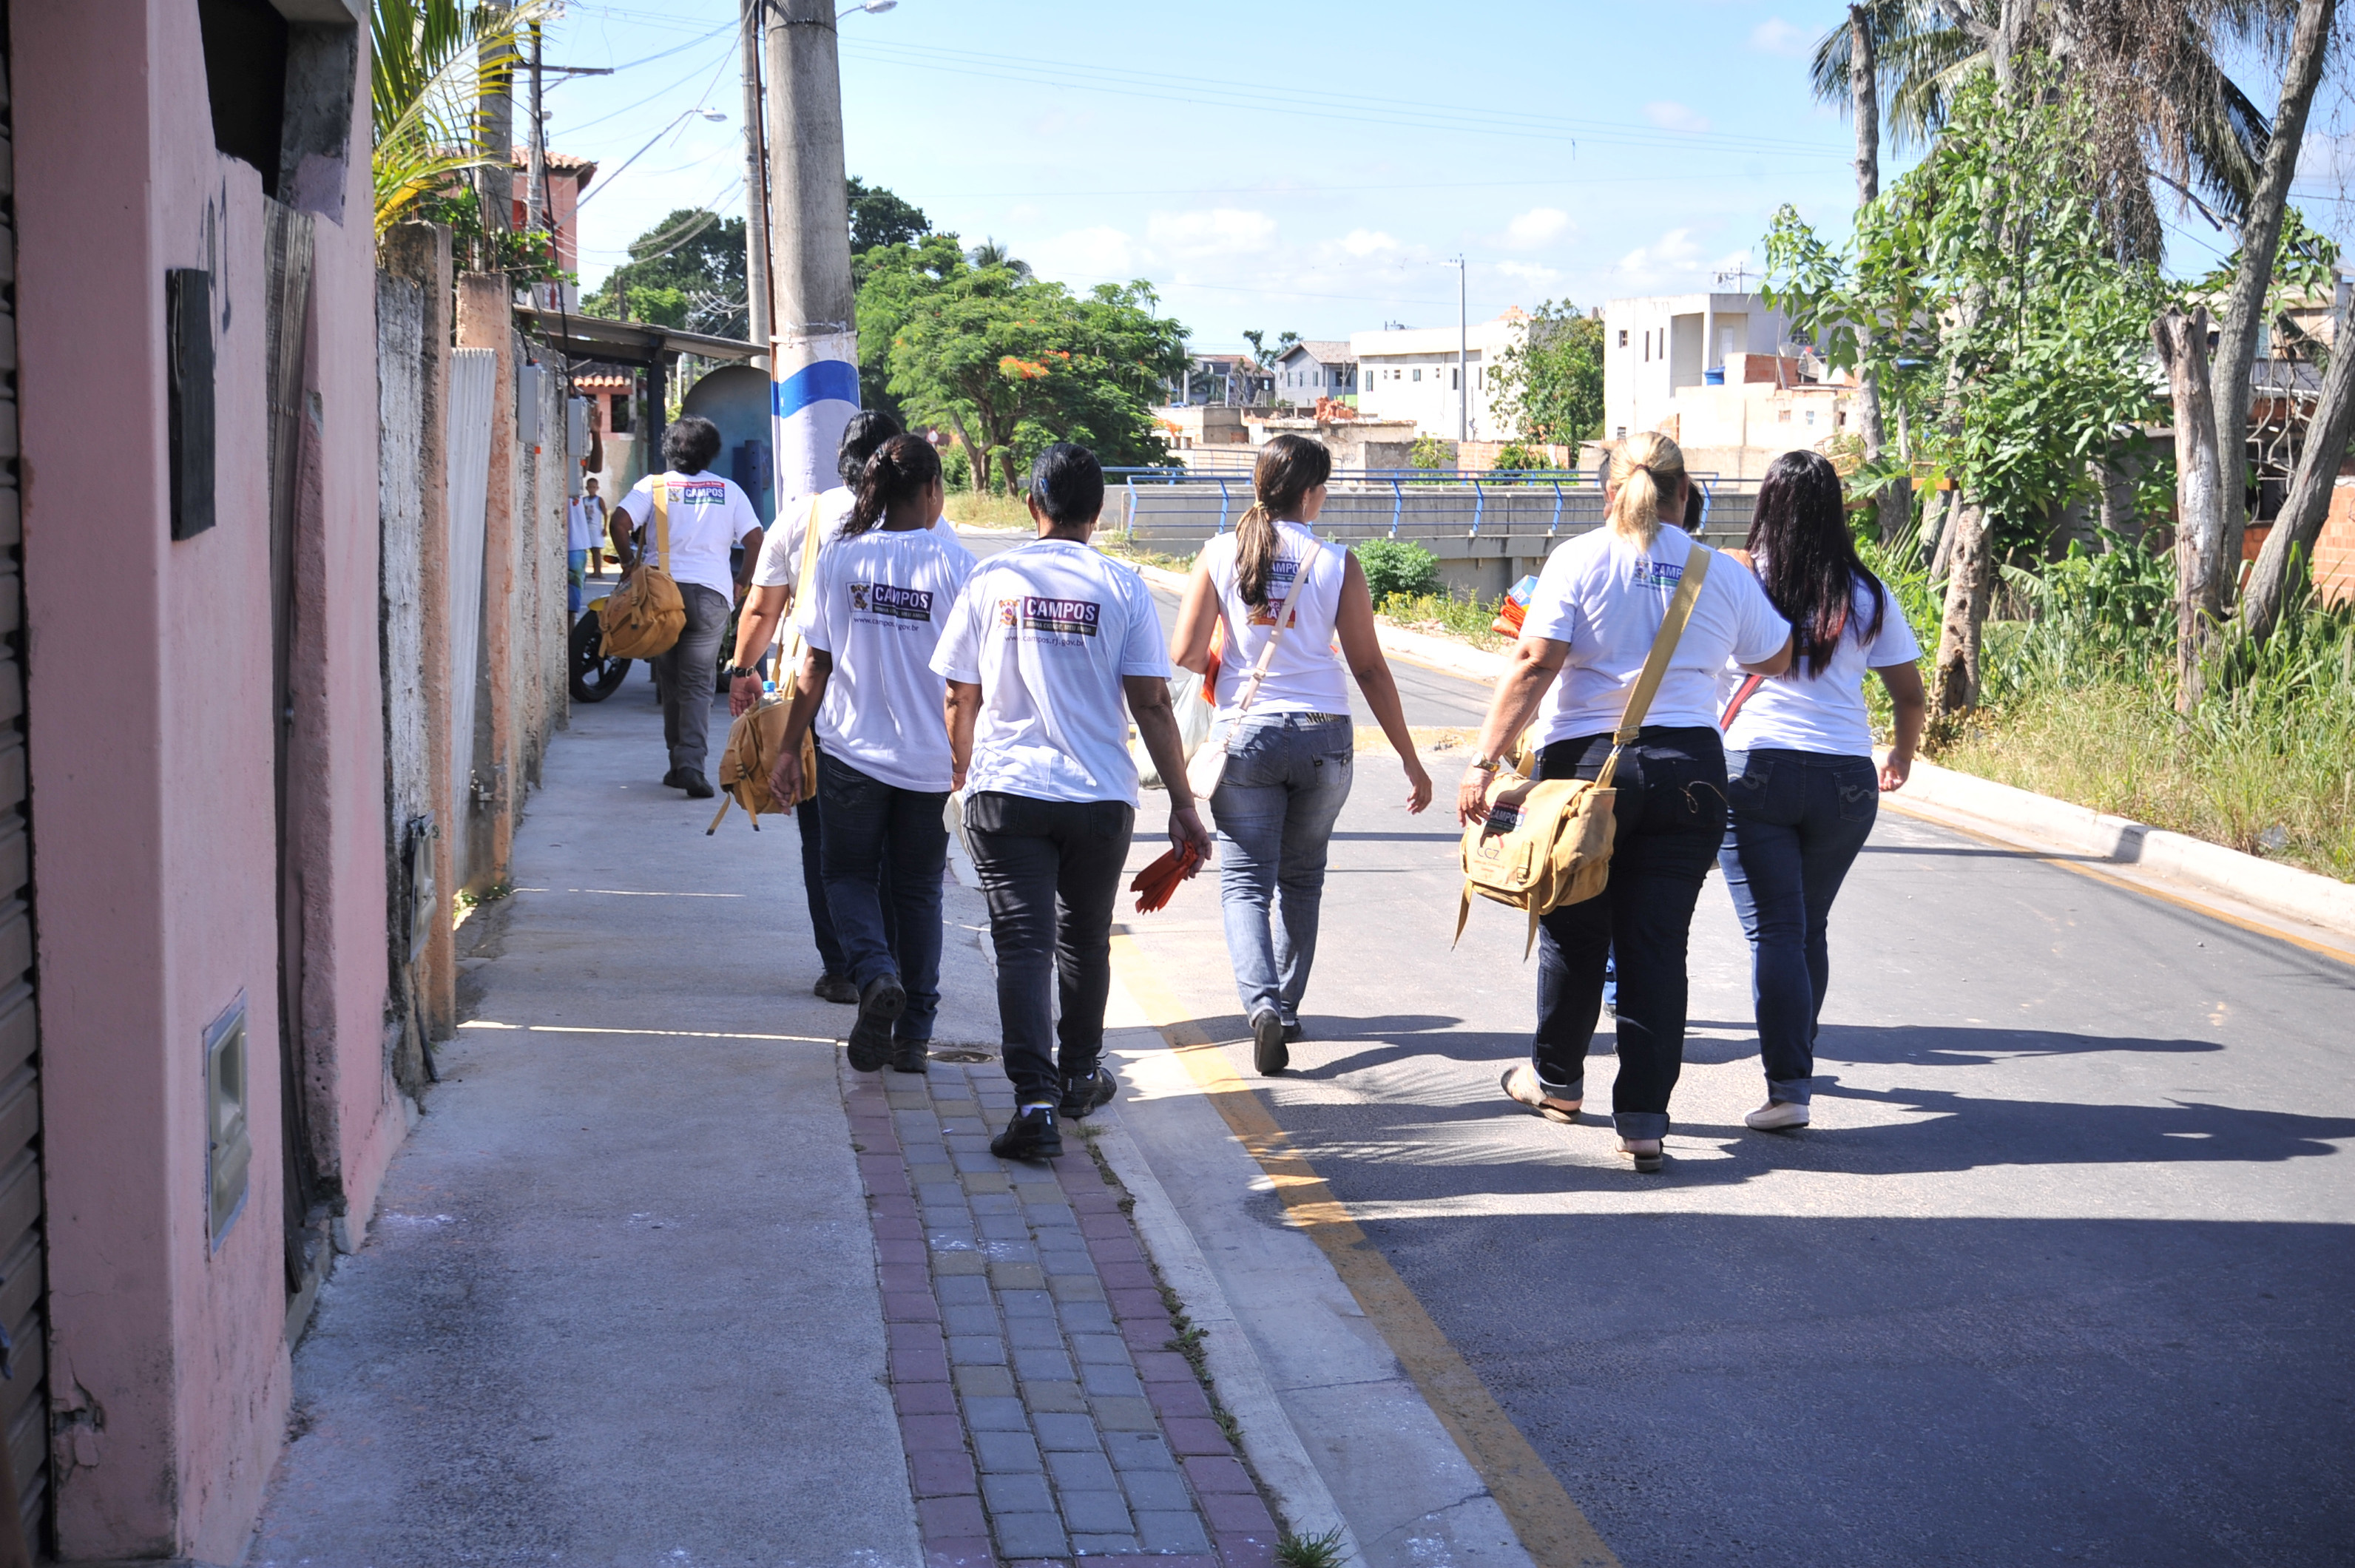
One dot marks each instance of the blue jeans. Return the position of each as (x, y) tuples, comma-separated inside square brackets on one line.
[(864, 826), (1288, 775), (1798, 819), (810, 816), (576, 567), (1670, 812)]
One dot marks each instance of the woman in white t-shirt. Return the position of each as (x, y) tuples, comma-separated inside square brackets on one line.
[(1803, 790), (1291, 752), (871, 616), (1592, 622)]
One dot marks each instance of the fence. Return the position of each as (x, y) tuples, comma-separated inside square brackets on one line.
[(1488, 528)]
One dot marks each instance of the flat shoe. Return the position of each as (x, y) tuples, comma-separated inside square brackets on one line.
[(1268, 1052), (1645, 1163), (1777, 1117), (1532, 1094)]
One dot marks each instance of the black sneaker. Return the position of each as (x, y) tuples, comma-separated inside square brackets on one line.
[(1029, 1136), (879, 1006), (910, 1055), (1089, 1091), (1293, 1034), (691, 780), (834, 988), (1268, 1052)]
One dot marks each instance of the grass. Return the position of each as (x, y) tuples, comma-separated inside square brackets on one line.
[(1467, 616), (986, 509), (1122, 545), (1309, 1551)]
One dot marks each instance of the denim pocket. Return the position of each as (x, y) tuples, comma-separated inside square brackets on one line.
[(1746, 792), (1859, 800)]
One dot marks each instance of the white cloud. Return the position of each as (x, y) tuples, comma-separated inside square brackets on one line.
[(1221, 231), (1775, 37), (1669, 116), (1671, 254), (1529, 273), (1538, 225), (1366, 241), (1102, 251)]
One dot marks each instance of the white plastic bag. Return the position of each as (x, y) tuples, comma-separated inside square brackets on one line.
[(1194, 717)]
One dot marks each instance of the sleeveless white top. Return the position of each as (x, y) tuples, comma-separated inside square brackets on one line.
[(1308, 675)]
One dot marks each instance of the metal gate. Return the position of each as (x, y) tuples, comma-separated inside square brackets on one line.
[(23, 1332)]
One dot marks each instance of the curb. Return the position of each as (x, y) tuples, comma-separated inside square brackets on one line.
[(2024, 817)]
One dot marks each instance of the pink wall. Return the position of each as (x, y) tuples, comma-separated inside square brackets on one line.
[(149, 673)]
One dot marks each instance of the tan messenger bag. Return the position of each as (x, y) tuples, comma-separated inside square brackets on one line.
[(644, 618), (758, 734), (1549, 844)]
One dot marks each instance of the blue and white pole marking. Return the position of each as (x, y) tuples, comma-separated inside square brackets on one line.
[(814, 395)]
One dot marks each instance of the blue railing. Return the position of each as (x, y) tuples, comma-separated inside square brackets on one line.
[(1489, 495)]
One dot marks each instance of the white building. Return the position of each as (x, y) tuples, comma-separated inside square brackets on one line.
[(1654, 346), (1314, 369), (1411, 373)]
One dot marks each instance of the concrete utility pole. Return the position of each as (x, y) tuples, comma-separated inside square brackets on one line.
[(498, 136), (814, 365), (535, 178), (756, 181)]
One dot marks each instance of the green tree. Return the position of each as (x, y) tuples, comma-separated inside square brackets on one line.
[(1550, 385), (686, 271), (879, 218), (1008, 364), (432, 63)]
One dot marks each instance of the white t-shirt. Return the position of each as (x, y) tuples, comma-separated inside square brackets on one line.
[(879, 604), (708, 515), (1306, 675), (780, 564), (579, 533), (1606, 596), (1047, 630), (1799, 712)]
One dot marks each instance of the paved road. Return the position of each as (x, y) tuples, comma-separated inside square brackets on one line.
[(2062, 1274)]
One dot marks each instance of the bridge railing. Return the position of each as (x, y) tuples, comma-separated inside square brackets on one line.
[(1174, 507)]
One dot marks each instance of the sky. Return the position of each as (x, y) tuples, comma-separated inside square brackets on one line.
[(1309, 169)]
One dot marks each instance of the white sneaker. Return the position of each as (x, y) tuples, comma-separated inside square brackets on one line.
[(1777, 1115)]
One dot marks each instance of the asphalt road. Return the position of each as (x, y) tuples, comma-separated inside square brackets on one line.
[(2061, 1272)]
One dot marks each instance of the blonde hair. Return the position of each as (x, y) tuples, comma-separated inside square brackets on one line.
[(1647, 470)]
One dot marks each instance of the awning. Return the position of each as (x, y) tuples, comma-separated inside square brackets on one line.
[(628, 342)]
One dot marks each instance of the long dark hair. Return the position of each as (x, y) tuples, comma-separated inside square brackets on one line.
[(1288, 468), (1807, 560), (867, 429), (898, 472)]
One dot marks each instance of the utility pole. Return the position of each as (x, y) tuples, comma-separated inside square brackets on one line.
[(815, 335), (535, 178), (1463, 372), (756, 183), (497, 113)]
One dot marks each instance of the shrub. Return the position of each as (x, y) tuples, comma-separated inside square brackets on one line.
[(1430, 452), (1514, 455), (1398, 566)]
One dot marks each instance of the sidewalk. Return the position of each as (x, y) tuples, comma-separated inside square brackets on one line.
[(659, 1280)]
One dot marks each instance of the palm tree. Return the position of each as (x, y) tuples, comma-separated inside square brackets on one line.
[(435, 62), (2170, 113), (990, 253)]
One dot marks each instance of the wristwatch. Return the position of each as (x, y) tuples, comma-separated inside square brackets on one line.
[(738, 671), (1487, 765)]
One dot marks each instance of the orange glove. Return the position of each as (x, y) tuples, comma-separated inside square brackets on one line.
[(1158, 882)]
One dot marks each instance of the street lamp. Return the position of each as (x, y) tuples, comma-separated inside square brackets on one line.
[(872, 7), (607, 183)]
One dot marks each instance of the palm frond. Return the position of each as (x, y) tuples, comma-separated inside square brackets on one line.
[(436, 60)]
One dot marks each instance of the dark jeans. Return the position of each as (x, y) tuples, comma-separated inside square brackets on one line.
[(1050, 870), (687, 677), (811, 816), (1798, 819), (1671, 816), (864, 824)]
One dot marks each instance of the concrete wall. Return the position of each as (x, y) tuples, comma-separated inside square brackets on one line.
[(151, 752)]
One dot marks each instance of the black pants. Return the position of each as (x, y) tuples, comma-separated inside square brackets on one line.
[(811, 818), (1049, 870), (1670, 813)]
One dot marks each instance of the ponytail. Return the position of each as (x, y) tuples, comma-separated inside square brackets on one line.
[(1646, 471), (896, 474), (1289, 467)]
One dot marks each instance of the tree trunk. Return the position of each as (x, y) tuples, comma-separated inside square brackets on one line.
[(1894, 504), (1934, 530), (2199, 497), (1955, 683), (2302, 514), (2236, 345)]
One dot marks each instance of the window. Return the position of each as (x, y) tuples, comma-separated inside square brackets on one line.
[(1456, 379), (1418, 375), (1623, 337), (1647, 348), (621, 413)]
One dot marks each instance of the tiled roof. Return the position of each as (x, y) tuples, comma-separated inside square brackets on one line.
[(558, 162), (1324, 351)]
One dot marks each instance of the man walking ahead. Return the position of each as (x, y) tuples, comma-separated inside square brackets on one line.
[(1041, 649), (708, 515)]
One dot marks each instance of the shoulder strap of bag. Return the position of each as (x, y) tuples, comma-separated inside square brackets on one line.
[(1267, 654), (789, 630), (1742, 694), (662, 519)]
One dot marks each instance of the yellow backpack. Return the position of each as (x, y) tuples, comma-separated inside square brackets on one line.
[(1549, 844), (643, 618), (758, 734)]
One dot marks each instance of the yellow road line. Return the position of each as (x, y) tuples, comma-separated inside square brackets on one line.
[(1958, 822), (1552, 1529)]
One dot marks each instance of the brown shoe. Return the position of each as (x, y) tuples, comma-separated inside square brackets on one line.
[(1521, 1087)]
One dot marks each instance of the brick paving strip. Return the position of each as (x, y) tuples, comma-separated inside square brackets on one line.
[(1042, 1409)]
